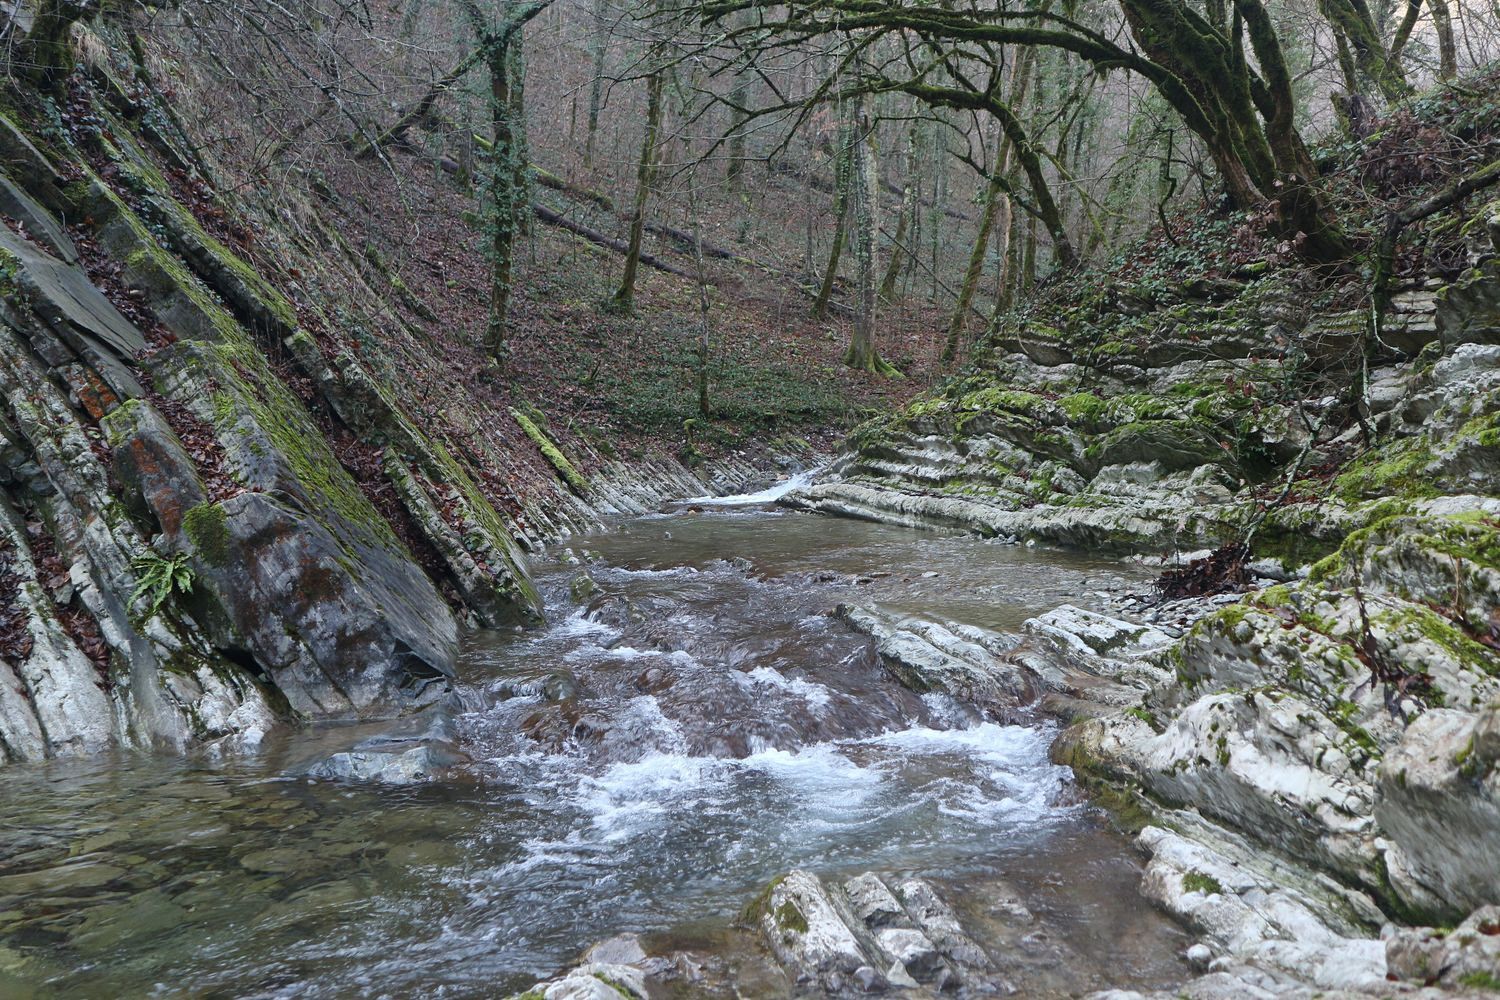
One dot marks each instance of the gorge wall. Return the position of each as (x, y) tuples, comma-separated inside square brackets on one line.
[(239, 487)]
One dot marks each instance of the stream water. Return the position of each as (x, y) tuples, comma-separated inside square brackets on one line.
[(695, 726)]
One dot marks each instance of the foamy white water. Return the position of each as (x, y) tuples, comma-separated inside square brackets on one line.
[(770, 494)]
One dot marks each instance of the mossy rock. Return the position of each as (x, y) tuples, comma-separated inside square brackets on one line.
[(552, 454), (205, 527), (1177, 445)]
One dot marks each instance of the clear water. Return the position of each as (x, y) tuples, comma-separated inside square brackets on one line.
[(644, 764)]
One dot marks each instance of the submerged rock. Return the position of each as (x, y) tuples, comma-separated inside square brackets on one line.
[(413, 751)]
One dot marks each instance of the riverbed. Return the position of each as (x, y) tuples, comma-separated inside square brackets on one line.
[(692, 723)]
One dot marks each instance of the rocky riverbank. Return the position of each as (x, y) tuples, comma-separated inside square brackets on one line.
[(1312, 761)]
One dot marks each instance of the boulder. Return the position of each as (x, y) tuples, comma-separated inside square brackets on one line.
[(961, 661), (1438, 805), (867, 935), (1466, 956)]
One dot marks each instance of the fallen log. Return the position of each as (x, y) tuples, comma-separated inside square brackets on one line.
[(561, 221), (824, 185)]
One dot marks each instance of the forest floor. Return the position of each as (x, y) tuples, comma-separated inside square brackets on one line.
[(626, 383)]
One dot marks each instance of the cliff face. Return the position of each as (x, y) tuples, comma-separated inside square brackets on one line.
[(226, 502)]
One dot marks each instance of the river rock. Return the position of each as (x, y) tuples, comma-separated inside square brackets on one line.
[(867, 934), (1468, 955), (1091, 633), (1439, 806), (414, 750), (592, 981), (958, 660)]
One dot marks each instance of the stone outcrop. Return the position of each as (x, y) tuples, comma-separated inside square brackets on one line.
[(866, 935)]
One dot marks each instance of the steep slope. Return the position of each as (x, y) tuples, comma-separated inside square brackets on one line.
[(220, 512)]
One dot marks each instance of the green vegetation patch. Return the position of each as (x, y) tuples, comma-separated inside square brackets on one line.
[(789, 917), (205, 526), (1401, 468), (1199, 882)]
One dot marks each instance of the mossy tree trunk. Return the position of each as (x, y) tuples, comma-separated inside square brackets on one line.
[(46, 55), (864, 197), (522, 176), (842, 169), (502, 194), (508, 191)]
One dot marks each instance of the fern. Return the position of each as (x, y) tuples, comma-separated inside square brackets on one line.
[(159, 577)]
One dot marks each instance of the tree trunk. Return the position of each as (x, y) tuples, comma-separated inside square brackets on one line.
[(994, 198), (843, 169), (903, 220), (645, 175), (739, 95), (994, 194), (939, 201), (520, 136), (600, 43), (865, 194), (503, 199), (1442, 23), (705, 324)]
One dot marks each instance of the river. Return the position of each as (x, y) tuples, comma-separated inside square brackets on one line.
[(691, 724)]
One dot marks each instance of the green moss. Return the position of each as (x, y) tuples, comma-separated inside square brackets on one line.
[(1466, 761), (1402, 468), (209, 258), (1291, 542), (1278, 596), (995, 399), (1199, 882), (1134, 407), (10, 272), (550, 451), (789, 917), (1083, 408), (918, 409), (615, 985), (1343, 714), (250, 388), (205, 527), (1444, 634), (761, 904), (1480, 980), (162, 275), (1473, 536), (1225, 619), (1483, 429)]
